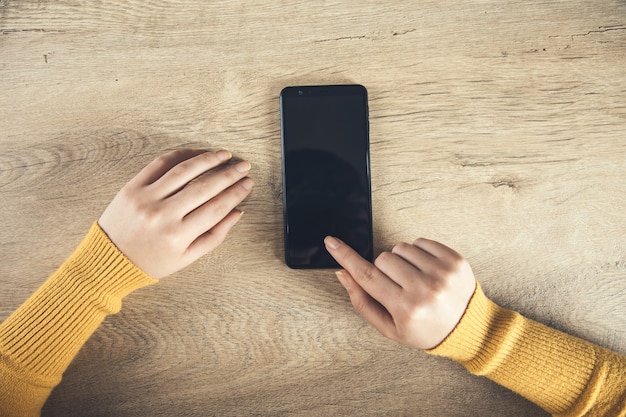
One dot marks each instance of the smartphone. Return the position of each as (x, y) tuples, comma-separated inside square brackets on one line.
[(326, 172)]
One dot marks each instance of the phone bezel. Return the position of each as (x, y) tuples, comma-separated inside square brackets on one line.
[(324, 90)]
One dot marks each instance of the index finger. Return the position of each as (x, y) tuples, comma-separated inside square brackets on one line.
[(378, 285)]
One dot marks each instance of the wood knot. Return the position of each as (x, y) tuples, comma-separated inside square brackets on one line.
[(511, 183)]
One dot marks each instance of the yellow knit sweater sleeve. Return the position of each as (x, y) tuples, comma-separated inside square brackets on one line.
[(40, 339), (564, 375)]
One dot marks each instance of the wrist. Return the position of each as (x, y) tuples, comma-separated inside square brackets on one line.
[(472, 333)]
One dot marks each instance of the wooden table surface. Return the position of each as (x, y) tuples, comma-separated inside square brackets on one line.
[(497, 127)]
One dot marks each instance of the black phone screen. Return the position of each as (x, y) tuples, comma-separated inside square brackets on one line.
[(326, 174)]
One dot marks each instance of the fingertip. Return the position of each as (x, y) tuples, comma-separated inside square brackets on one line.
[(223, 155), (223, 227), (237, 216), (436, 249), (243, 166), (427, 245), (343, 279), (247, 183), (398, 247), (332, 242)]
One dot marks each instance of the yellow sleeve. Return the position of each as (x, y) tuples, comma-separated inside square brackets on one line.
[(564, 375), (40, 339)]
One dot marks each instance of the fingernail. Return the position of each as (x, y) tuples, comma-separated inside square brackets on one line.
[(342, 278), (224, 155), (331, 242), (247, 183), (243, 166)]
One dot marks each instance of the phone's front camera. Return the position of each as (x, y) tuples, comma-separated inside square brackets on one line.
[(300, 92)]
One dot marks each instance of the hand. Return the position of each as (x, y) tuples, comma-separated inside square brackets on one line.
[(177, 209), (415, 294)]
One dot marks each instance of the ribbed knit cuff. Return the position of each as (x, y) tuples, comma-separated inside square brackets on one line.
[(40, 339), (548, 367)]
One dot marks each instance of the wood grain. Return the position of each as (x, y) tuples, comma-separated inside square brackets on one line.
[(497, 127)]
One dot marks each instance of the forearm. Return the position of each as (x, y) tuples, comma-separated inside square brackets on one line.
[(40, 339), (562, 374)]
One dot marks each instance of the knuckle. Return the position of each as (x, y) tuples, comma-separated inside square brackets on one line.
[(163, 159), (174, 153), (449, 275), (146, 211), (407, 311), (177, 171), (128, 194), (219, 207), (456, 258), (204, 186), (234, 195), (231, 174), (464, 270), (216, 208), (150, 214), (456, 266), (365, 272), (209, 158), (172, 238)]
